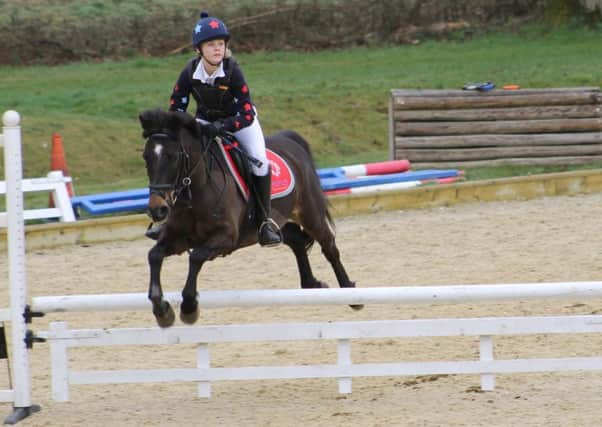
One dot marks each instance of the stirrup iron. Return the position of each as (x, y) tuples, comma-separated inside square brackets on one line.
[(276, 230)]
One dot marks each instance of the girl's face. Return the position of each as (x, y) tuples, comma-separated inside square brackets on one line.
[(213, 51)]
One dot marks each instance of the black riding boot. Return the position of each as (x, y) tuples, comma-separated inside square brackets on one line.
[(269, 233)]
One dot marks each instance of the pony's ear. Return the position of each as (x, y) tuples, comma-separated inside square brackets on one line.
[(146, 118)]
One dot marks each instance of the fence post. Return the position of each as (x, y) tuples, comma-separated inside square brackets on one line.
[(486, 355), (60, 196), (203, 362), (59, 362), (344, 361)]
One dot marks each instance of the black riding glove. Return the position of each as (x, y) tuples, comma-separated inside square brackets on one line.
[(213, 129)]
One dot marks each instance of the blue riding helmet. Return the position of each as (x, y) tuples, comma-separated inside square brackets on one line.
[(209, 28)]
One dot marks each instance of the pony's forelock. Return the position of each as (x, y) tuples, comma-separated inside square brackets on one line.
[(157, 120)]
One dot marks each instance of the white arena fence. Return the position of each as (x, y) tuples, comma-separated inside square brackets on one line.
[(343, 332), (56, 184), (61, 338)]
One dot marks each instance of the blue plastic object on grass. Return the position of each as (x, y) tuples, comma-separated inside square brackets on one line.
[(487, 86)]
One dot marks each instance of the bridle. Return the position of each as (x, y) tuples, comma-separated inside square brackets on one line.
[(184, 176)]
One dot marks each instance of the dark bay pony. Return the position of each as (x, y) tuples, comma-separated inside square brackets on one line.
[(205, 214)]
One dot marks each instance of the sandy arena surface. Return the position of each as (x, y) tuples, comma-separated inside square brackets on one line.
[(545, 240)]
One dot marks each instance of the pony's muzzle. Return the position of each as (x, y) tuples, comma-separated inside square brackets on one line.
[(158, 214), (158, 208)]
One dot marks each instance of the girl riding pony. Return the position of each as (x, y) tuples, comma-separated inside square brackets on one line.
[(223, 102)]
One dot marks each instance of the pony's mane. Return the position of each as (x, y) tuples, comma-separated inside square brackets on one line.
[(157, 120)]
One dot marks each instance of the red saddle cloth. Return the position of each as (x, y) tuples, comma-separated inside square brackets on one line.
[(283, 180)]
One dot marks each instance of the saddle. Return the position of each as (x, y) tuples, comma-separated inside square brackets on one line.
[(239, 164)]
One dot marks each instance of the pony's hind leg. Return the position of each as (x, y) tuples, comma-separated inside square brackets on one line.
[(162, 310), (331, 252), (325, 237), (299, 241)]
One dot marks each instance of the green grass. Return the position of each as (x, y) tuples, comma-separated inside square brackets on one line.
[(336, 99)]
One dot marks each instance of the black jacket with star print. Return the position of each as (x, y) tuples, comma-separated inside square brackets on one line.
[(228, 99)]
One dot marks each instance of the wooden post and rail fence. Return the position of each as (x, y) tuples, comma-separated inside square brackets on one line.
[(466, 128)]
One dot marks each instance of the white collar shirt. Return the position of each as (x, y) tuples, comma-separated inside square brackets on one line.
[(201, 74)]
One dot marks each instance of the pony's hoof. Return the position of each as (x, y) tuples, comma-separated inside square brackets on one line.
[(189, 318), (189, 310), (357, 307), (167, 318)]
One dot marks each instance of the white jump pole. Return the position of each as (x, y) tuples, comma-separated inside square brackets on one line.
[(13, 170), (456, 294)]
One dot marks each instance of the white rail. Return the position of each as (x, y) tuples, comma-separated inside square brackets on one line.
[(334, 296)]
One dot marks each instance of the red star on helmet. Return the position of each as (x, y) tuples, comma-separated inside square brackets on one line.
[(248, 117), (214, 24), (237, 124), (245, 89), (247, 107)]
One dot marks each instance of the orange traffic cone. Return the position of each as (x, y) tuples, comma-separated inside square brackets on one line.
[(58, 163)]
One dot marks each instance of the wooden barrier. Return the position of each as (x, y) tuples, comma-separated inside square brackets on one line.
[(464, 128)]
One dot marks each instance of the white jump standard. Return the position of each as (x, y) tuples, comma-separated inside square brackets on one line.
[(20, 394)]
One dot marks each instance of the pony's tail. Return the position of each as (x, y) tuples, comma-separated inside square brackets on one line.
[(305, 145)]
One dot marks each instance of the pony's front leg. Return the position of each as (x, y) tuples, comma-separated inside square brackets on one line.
[(189, 310), (161, 309)]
